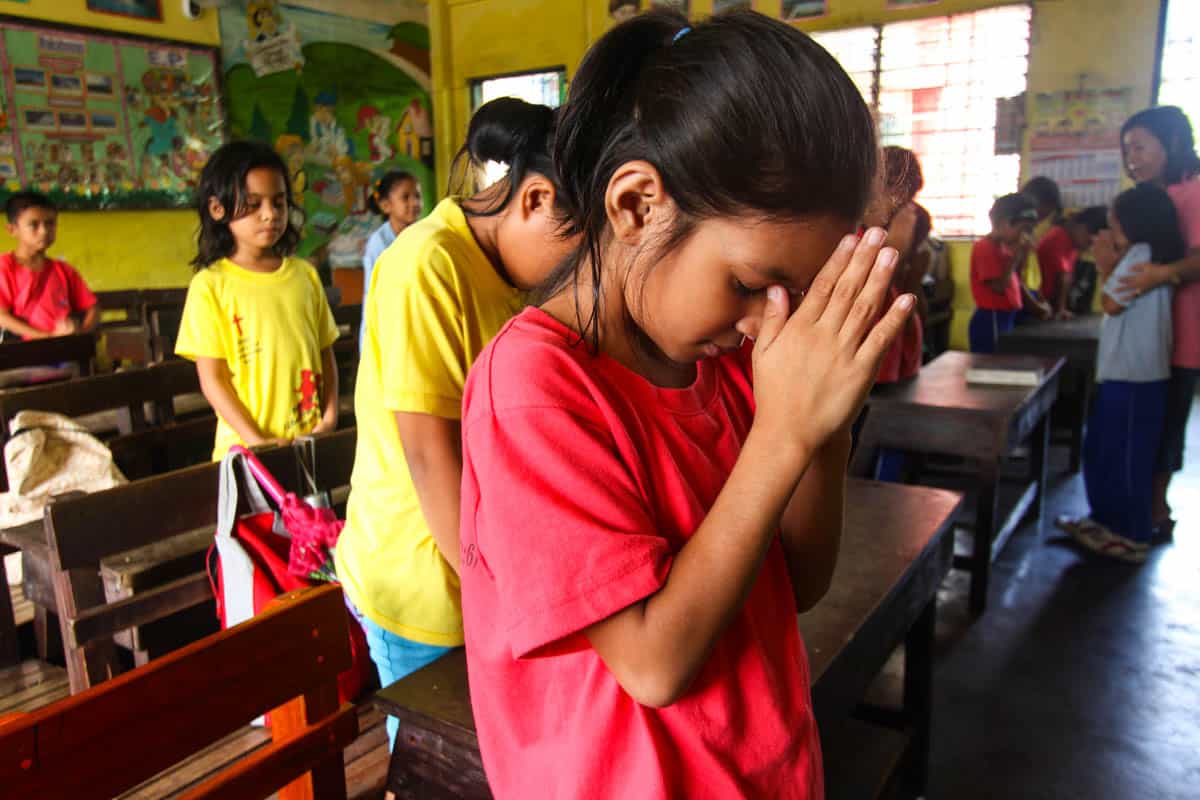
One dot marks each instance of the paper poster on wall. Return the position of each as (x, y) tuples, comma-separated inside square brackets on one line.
[(100, 121), (347, 102), (1075, 138)]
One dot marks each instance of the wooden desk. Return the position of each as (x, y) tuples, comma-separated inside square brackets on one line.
[(896, 549), (1077, 341), (938, 412)]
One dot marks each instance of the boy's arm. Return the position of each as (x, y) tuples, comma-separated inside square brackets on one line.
[(329, 386), (10, 322), (91, 318), (216, 382)]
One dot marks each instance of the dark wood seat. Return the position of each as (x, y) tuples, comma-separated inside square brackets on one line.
[(126, 301), (133, 410), (174, 515), (78, 350), (115, 736)]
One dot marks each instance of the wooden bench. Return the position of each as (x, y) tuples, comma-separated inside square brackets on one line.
[(127, 302), (149, 336), (40, 360), (116, 736), (134, 411), (150, 557), (896, 550)]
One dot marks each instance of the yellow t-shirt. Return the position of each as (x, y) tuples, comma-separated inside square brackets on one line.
[(434, 302), (270, 327)]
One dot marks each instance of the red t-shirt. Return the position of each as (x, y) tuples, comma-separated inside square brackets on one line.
[(581, 480), (903, 358), (1056, 257), (43, 298), (989, 260)]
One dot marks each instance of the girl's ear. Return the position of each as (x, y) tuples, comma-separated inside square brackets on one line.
[(536, 196), (636, 200), (215, 209)]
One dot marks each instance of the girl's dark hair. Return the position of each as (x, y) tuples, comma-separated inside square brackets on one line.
[(511, 132), (1094, 218), (1170, 126), (1044, 191), (383, 187), (1147, 214), (740, 114), (1013, 207), (902, 172), (224, 177)]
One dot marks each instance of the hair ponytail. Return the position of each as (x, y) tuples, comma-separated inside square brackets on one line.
[(509, 131), (740, 114)]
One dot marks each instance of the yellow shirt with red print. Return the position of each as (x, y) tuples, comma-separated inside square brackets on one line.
[(270, 328)]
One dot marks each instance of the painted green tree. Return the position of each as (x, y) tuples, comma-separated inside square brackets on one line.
[(297, 122), (260, 129)]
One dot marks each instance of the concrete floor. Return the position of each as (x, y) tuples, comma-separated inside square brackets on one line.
[(1082, 680)]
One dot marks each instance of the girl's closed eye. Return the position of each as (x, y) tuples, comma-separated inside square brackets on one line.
[(746, 290)]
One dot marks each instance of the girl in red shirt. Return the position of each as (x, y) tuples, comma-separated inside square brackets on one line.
[(654, 459)]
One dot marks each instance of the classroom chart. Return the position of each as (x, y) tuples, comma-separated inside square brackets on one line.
[(100, 121)]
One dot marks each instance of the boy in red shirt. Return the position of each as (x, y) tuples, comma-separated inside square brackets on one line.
[(995, 262), (40, 296)]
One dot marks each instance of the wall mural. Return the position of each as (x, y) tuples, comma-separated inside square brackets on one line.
[(343, 100), (99, 121)]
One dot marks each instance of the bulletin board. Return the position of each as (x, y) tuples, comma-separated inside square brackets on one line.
[(101, 121)]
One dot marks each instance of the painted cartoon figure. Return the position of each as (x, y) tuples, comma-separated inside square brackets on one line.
[(263, 20), (327, 139), (291, 148), (377, 126)]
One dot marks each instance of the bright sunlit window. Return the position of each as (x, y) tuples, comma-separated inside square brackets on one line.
[(1179, 82), (546, 88), (936, 82)]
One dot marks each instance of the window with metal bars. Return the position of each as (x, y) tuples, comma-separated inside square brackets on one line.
[(933, 85)]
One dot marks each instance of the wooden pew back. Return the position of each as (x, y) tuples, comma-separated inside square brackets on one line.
[(82, 531), (78, 348), (126, 300), (116, 736), (147, 438)]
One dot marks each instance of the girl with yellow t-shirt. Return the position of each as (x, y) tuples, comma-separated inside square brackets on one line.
[(256, 320), (438, 295)]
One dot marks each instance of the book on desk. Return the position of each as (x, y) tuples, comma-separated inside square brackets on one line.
[(1006, 372)]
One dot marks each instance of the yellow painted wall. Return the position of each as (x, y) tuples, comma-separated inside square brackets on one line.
[(125, 249)]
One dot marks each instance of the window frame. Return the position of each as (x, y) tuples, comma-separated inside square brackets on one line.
[(876, 86), (475, 85)]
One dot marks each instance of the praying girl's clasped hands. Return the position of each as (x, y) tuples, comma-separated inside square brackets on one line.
[(814, 367)]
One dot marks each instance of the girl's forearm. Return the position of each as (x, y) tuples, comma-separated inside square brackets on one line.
[(11, 322), (329, 411), (812, 523)]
